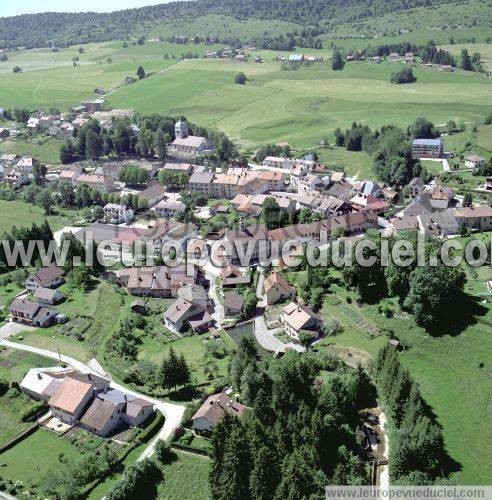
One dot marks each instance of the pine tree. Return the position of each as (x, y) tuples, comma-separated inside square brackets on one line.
[(466, 61), (160, 145), (140, 72)]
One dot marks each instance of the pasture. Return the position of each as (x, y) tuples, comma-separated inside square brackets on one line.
[(309, 103)]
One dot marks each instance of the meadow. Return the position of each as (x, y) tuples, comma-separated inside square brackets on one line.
[(308, 103)]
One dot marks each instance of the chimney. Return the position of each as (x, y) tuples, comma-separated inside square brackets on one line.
[(125, 397), (39, 376), (89, 376)]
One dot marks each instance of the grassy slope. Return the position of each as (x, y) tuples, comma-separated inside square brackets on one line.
[(48, 152)]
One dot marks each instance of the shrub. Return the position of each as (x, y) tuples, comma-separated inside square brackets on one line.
[(403, 76), (29, 413), (163, 452), (4, 386)]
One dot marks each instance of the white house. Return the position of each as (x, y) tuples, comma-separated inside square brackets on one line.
[(169, 208), (474, 161), (116, 213)]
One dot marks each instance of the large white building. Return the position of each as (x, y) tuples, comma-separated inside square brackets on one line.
[(116, 213)]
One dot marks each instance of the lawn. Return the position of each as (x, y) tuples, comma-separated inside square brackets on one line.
[(48, 152), (31, 459), (353, 163), (20, 214), (8, 292)]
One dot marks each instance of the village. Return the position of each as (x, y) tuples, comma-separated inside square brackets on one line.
[(150, 183)]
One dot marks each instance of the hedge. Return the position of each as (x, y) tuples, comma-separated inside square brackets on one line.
[(33, 411), (192, 449)]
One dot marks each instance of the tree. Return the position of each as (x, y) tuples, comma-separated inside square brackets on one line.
[(93, 145), (466, 63), (16, 69), (272, 215), (160, 145), (183, 375), (81, 278), (167, 373), (337, 61), (45, 200), (67, 152), (240, 78), (305, 338), (468, 200), (421, 129), (140, 73), (405, 75), (435, 292), (163, 452)]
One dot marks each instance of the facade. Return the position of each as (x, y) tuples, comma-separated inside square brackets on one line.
[(100, 182), (277, 162), (31, 313), (428, 148), (474, 161), (153, 194), (324, 204), (184, 313), (475, 218), (48, 296)]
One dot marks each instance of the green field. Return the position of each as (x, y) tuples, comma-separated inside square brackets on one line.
[(47, 152), (35, 456), (26, 214), (309, 103)]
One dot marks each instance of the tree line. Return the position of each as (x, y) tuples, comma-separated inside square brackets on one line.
[(418, 454)]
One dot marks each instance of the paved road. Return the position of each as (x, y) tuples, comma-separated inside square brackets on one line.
[(172, 412), (211, 273)]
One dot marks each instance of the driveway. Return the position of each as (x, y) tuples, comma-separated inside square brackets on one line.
[(12, 328), (211, 273), (173, 413)]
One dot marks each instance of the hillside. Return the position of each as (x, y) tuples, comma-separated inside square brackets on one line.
[(64, 29)]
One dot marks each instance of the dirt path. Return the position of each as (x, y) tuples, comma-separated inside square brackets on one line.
[(383, 473)]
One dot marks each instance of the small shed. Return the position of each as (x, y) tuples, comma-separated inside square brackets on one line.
[(138, 306)]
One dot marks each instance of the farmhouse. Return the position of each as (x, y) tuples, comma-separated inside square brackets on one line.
[(277, 289), (212, 411), (232, 276), (16, 178), (297, 318), (427, 148), (476, 218), (439, 224), (153, 194), (40, 383), (323, 204)]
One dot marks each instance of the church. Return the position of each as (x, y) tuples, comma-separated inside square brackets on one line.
[(185, 144)]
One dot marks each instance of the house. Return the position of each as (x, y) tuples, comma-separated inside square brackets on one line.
[(233, 304), (31, 313), (9, 160), (166, 232), (415, 185), (367, 203), (96, 105), (48, 296), (297, 318), (251, 242), (341, 190), (116, 213), (475, 218), (100, 182), (438, 224), (324, 204), (409, 57), (296, 58), (488, 184), (474, 161), (277, 162), (79, 109), (185, 313), (212, 411), (186, 144), (232, 276), (182, 168), (4, 133), (394, 56), (195, 294), (16, 178), (370, 188), (277, 289), (201, 183), (441, 197), (169, 208), (309, 183), (427, 148), (47, 277), (33, 125), (40, 383), (420, 205), (74, 395), (153, 194), (157, 281), (112, 409), (406, 223)]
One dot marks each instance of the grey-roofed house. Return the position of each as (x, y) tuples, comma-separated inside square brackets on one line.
[(183, 313), (438, 224), (47, 277), (31, 313), (48, 296)]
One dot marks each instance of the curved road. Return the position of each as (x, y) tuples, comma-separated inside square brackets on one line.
[(173, 413)]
